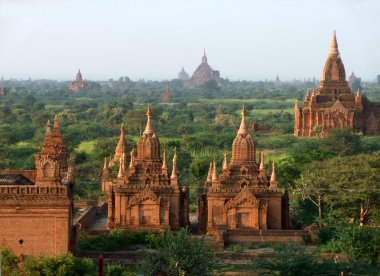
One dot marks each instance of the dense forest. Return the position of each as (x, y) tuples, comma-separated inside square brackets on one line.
[(331, 181)]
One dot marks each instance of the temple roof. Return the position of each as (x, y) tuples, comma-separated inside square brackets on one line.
[(14, 180)]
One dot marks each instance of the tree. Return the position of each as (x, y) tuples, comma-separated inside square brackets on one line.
[(179, 254), (9, 262)]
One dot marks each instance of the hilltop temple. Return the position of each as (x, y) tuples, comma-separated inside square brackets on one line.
[(243, 196), (36, 206), (78, 84), (204, 73), (167, 95), (334, 105), (144, 195)]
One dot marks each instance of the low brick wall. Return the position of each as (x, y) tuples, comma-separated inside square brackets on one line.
[(87, 217), (270, 236)]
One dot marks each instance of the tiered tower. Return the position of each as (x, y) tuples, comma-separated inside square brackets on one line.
[(334, 105), (144, 196), (243, 196)]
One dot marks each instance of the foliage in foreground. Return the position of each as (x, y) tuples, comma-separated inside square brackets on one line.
[(358, 243), (115, 240), (179, 254), (293, 260), (63, 265), (9, 262)]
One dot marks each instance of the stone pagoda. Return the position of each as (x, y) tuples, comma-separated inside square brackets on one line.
[(182, 75), (144, 195), (242, 196), (334, 105)]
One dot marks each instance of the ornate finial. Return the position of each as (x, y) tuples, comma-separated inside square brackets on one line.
[(214, 172), (273, 178), (262, 160), (313, 93), (224, 166), (121, 166), (148, 128), (209, 175), (48, 127), (174, 169), (132, 162), (243, 126), (334, 45), (358, 93), (164, 162)]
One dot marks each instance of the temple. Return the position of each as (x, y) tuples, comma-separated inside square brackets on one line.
[(243, 195), (78, 84), (182, 75), (144, 195), (333, 105), (204, 73), (167, 95), (36, 206)]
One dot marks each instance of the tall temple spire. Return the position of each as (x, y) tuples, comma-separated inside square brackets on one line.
[(243, 125), (148, 128), (121, 144), (174, 169), (334, 45), (204, 58), (224, 166)]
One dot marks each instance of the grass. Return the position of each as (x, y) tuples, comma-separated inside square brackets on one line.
[(86, 146)]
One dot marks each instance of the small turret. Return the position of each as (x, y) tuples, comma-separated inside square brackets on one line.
[(121, 173), (164, 164), (307, 97), (214, 173), (273, 178), (209, 175), (132, 162), (262, 167), (224, 167), (174, 169)]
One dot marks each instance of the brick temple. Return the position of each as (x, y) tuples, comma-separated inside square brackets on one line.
[(144, 195), (243, 196), (204, 73), (78, 84), (36, 206), (333, 105)]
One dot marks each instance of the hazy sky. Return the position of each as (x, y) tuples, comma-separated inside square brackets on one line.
[(153, 39)]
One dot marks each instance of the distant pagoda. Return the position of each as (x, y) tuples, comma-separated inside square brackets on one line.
[(183, 75), (204, 73), (78, 84)]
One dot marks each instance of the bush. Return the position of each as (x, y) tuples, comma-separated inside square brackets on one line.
[(116, 240), (179, 254), (62, 265), (117, 270), (9, 262), (356, 242)]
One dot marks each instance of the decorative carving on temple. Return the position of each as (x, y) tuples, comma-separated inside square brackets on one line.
[(244, 195), (78, 84), (143, 196), (333, 104), (204, 73)]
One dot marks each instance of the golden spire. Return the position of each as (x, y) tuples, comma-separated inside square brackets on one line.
[(105, 164), (214, 172), (148, 128), (56, 122), (243, 125), (273, 179), (334, 45), (174, 169), (224, 166)]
